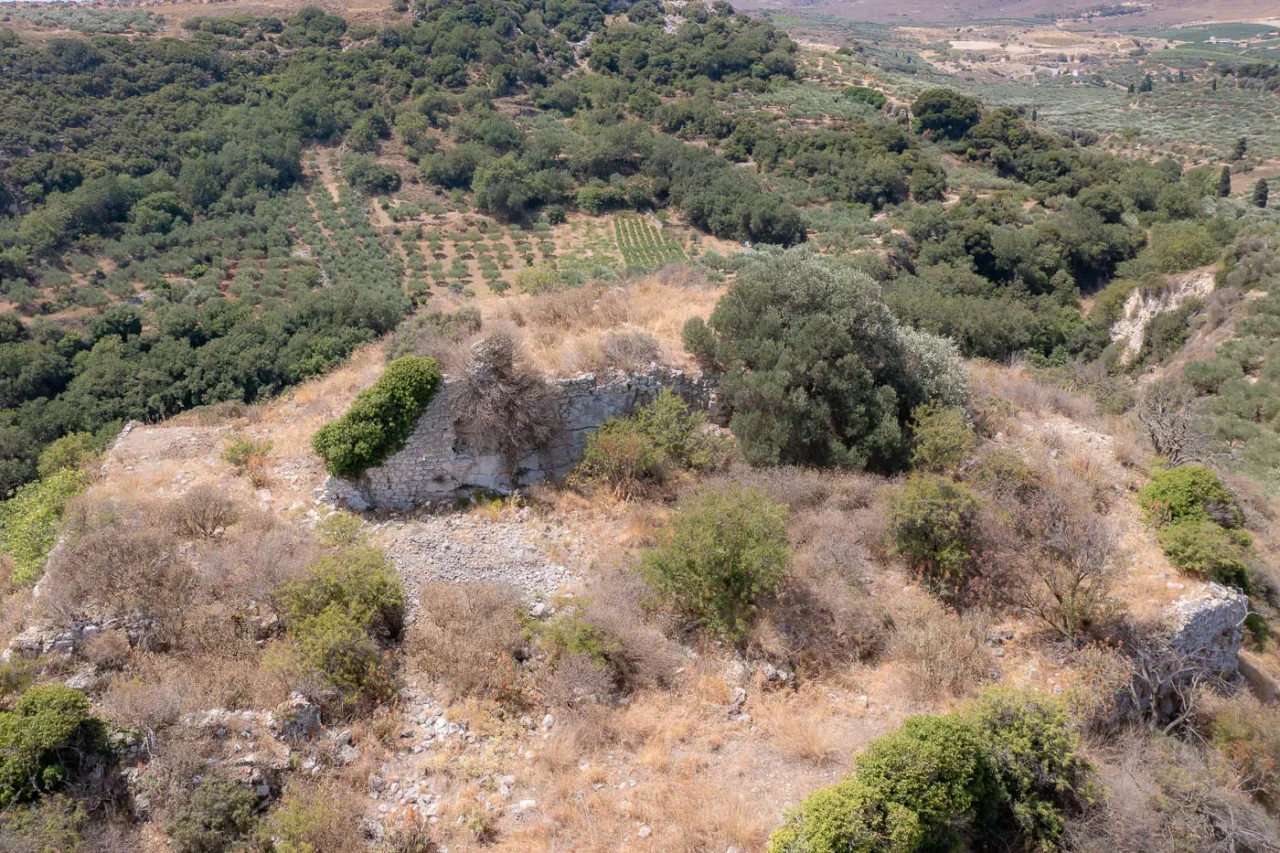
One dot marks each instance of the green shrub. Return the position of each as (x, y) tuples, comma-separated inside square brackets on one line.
[(849, 817), (1178, 246), (873, 98), (1108, 304), (913, 789), (52, 825), (1188, 493), (622, 457), (945, 112), (313, 818), (933, 522), (30, 521), (1248, 734), (1002, 775), (46, 737), (1035, 751), (344, 529), (724, 549), (339, 661), (16, 676), (1207, 550), (221, 813), (69, 452), (358, 582), (381, 418), (337, 617), (629, 453), (1210, 375), (1167, 332), (368, 175), (941, 437)]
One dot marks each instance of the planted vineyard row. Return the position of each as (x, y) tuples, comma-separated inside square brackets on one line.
[(643, 245)]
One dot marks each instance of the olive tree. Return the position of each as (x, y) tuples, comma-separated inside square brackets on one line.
[(816, 369)]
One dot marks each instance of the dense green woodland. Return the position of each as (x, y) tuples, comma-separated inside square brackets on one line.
[(152, 201)]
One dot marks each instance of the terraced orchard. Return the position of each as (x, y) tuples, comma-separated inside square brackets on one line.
[(643, 244)]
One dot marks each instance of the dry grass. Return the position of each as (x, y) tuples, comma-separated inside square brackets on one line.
[(943, 655), (1014, 385), (295, 416), (467, 635), (800, 724), (594, 327)]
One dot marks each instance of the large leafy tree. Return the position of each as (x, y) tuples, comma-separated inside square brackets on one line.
[(816, 369), (946, 112)]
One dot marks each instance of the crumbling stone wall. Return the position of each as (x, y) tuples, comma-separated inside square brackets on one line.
[(1209, 628), (441, 461)]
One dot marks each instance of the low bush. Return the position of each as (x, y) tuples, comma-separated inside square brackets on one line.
[(44, 740), (629, 349), (30, 521), (201, 512), (1207, 377), (368, 175), (934, 525), (381, 418), (434, 333), (249, 458), (338, 616), (119, 567), (941, 437), (632, 453), (1207, 550), (53, 825), (71, 451), (1248, 734), (312, 817), (108, 650), (1003, 774), (1188, 493), (724, 549), (943, 654), (220, 814), (1035, 751), (342, 529), (339, 663), (358, 582), (462, 632), (873, 98)]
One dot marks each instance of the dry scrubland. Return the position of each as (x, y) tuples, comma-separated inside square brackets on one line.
[(578, 666), (678, 742)]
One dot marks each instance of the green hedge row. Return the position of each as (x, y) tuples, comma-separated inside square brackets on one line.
[(381, 418)]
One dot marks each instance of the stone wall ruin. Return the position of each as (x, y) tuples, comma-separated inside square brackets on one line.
[(441, 461)]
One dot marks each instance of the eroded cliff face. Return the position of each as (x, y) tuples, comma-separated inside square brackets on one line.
[(1144, 306), (442, 461)]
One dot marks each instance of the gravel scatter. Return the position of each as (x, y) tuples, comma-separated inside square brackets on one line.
[(456, 547)]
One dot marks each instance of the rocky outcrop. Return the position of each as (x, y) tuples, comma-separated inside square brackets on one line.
[(442, 462), (1143, 306), (67, 638)]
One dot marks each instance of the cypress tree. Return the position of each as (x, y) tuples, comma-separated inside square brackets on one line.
[(1260, 193), (1224, 182)]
